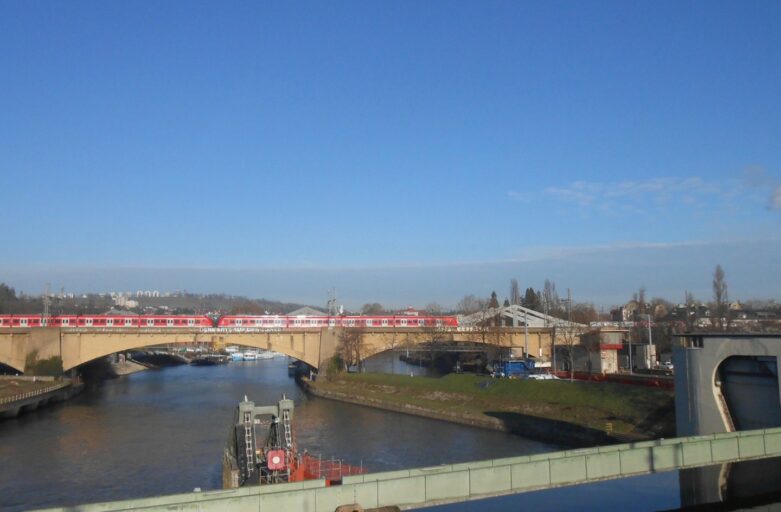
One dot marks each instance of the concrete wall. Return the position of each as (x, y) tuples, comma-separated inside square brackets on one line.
[(699, 408), (411, 488)]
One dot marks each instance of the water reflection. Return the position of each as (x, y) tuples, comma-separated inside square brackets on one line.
[(390, 362)]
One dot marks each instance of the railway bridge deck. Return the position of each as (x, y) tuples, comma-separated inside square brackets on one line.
[(314, 346)]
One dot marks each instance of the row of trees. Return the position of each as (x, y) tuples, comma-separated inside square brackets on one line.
[(546, 301)]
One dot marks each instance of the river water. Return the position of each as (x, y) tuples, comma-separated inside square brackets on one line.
[(163, 431)]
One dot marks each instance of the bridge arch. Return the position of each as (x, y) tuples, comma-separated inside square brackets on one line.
[(78, 346), (315, 346)]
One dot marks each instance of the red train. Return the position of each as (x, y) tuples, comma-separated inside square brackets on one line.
[(300, 322), (233, 321)]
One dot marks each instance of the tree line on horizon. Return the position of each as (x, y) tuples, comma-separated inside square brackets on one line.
[(545, 300)]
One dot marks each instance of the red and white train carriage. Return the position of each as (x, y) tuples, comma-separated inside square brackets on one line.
[(235, 321), (304, 322)]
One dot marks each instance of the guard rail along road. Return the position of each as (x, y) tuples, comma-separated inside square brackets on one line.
[(412, 488)]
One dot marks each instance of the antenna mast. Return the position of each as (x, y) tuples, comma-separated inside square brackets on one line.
[(46, 304)]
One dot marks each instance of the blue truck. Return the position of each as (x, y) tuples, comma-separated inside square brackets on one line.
[(514, 368)]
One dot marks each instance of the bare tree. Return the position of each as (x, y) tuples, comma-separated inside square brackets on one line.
[(591, 344), (515, 292), (584, 313), (471, 304), (691, 310), (436, 334), (351, 345), (493, 301), (432, 308), (720, 314), (373, 309), (569, 338), (641, 300), (550, 298)]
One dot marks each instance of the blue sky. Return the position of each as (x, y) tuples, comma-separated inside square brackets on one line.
[(478, 141)]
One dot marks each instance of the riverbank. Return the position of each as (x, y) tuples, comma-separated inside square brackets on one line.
[(24, 394), (562, 412), (127, 368)]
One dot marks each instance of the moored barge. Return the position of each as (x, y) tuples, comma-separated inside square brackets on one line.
[(261, 450)]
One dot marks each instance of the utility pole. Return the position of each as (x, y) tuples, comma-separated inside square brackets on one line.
[(526, 332), (650, 339), (630, 354), (551, 333)]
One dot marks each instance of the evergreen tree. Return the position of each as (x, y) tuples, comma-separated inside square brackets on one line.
[(531, 299)]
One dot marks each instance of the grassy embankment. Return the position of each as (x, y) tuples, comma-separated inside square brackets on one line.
[(630, 412), (11, 387)]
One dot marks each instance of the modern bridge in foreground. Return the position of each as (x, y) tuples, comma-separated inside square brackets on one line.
[(413, 488)]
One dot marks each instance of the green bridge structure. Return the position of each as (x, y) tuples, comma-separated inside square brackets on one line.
[(421, 487)]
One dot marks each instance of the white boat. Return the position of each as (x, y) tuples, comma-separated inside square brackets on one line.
[(250, 355)]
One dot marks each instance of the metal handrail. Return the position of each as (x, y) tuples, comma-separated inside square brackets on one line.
[(30, 394)]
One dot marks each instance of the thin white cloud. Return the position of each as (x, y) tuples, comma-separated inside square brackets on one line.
[(775, 198), (635, 196)]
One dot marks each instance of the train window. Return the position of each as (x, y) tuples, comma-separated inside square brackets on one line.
[(169, 321), (278, 321), (66, 321), (439, 322), (109, 321), (150, 322), (238, 321), (403, 321), (368, 323), (420, 321), (88, 321), (23, 322), (191, 321), (128, 321), (384, 321), (258, 321)]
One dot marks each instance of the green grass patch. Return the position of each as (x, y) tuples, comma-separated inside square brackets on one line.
[(639, 410)]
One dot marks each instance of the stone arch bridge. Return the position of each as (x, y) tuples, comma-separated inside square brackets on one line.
[(313, 346)]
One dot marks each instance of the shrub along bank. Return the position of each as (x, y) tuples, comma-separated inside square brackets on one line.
[(575, 413)]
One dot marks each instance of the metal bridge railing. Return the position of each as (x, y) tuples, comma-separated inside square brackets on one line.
[(31, 394)]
